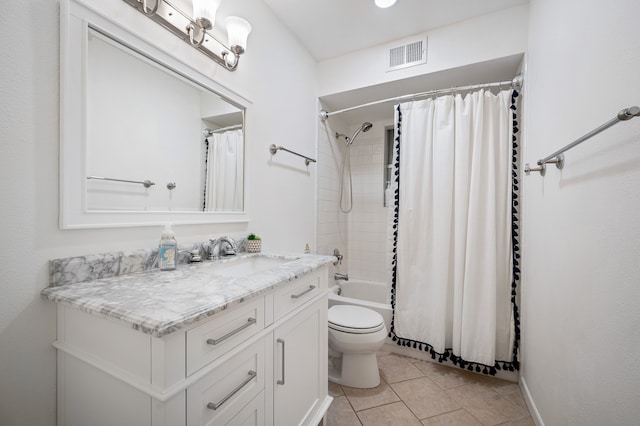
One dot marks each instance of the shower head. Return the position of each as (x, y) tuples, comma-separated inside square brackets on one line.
[(366, 126)]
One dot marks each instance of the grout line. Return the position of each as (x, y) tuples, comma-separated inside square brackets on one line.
[(400, 399), (349, 402), (471, 414), (389, 403)]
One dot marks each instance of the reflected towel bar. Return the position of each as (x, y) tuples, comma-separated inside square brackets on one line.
[(273, 149), (147, 183), (558, 158)]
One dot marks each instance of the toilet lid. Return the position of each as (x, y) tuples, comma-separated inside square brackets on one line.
[(354, 319)]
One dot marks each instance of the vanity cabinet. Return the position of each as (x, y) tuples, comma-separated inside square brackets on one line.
[(262, 362), (300, 348), (299, 351)]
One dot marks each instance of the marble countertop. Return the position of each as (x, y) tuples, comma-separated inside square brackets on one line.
[(161, 302)]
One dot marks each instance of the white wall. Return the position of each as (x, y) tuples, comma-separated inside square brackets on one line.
[(279, 81), (581, 245)]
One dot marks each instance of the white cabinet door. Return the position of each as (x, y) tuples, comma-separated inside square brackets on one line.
[(299, 345)]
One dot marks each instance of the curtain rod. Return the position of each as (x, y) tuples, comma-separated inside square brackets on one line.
[(515, 83), (209, 132)]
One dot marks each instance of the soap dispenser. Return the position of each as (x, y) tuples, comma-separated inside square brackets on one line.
[(168, 249)]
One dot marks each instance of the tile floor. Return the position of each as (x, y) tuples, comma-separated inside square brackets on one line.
[(414, 392)]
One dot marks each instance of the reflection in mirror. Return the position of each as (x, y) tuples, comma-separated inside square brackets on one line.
[(147, 123)]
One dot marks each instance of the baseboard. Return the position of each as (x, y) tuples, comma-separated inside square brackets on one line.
[(533, 410)]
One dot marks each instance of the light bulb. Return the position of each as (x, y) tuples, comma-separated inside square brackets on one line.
[(385, 3), (238, 30), (205, 12)]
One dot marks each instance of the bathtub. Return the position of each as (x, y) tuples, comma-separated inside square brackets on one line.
[(369, 294)]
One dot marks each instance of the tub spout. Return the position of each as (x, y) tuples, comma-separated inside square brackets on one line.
[(340, 277)]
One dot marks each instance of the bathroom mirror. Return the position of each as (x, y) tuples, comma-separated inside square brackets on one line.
[(145, 139)]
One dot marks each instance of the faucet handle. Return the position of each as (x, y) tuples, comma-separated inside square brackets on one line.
[(338, 256), (227, 246), (194, 256)]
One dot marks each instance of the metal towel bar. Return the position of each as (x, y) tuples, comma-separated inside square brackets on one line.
[(558, 158), (147, 183), (273, 149)]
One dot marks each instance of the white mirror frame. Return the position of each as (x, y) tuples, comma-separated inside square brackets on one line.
[(75, 20)]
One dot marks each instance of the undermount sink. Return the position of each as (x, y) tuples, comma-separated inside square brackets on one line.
[(246, 266)]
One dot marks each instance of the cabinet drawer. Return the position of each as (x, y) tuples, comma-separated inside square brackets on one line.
[(251, 415), (293, 295), (217, 336), (221, 395)]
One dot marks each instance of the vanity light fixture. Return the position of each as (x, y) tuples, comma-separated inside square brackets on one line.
[(195, 31), (385, 3), (204, 15)]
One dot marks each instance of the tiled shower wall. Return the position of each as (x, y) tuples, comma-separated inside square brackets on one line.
[(368, 218), (360, 235)]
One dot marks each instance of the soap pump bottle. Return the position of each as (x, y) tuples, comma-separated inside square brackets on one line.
[(168, 249)]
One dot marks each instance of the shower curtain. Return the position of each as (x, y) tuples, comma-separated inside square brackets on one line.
[(224, 181), (455, 250)]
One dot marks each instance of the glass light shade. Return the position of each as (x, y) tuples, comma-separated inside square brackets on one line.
[(206, 9), (238, 30), (385, 3)]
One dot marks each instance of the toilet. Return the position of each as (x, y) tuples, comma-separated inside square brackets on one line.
[(355, 334)]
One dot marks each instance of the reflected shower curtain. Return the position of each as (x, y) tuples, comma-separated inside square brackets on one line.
[(225, 172), (453, 273)]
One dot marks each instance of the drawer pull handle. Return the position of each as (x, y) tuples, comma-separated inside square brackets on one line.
[(295, 296), (214, 406), (249, 323), (281, 381)]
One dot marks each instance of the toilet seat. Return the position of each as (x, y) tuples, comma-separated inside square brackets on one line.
[(354, 319)]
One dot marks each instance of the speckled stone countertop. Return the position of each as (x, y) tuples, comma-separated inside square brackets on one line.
[(161, 302)]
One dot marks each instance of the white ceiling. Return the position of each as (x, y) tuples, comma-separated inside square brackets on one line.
[(330, 28)]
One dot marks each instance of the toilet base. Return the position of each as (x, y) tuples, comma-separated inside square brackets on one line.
[(355, 370)]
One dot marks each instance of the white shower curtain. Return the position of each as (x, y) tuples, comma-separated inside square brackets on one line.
[(453, 248), (225, 172)]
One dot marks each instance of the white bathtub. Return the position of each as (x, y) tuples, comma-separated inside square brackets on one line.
[(368, 294)]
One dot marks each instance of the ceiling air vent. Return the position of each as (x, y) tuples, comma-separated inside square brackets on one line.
[(407, 55)]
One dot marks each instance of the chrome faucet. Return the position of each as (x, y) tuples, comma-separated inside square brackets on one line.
[(340, 277), (222, 251)]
